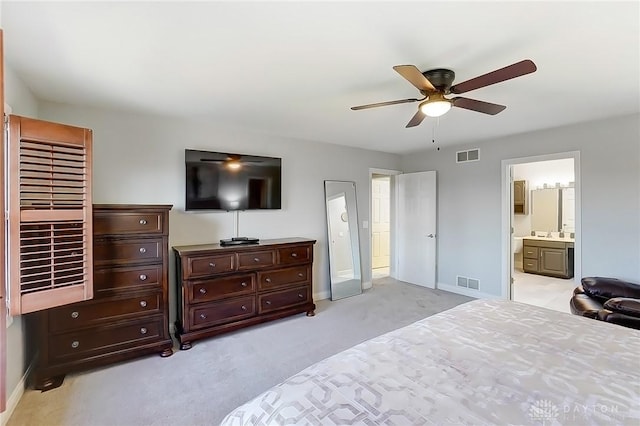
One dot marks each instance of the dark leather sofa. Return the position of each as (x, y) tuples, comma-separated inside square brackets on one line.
[(608, 299)]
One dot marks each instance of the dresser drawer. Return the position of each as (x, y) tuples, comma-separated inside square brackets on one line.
[(113, 280), (85, 314), (283, 277), (125, 252), (208, 265), (103, 340), (529, 252), (283, 299), (256, 259), (222, 312), (296, 254), (218, 288), (127, 223)]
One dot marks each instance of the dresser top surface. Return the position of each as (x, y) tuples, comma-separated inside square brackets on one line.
[(119, 207), (185, 250)]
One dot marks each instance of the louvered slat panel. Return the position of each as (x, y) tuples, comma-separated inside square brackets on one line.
[(52, 255), (52, 176), (50, 214)]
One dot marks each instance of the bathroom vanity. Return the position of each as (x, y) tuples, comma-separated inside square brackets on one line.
[(548, 256)]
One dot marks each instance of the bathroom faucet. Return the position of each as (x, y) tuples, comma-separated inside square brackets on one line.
[(548, 234)]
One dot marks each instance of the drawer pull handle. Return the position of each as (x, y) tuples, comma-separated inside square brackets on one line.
[(268, 280), (143, 277), (294, 254), (143, 330), (74, 314), (213, 265), (143, 222), (143, 303), (143, 250), (244, 308), (255, 259), (244, 284), (300, 296), (75, 344), (300, 274), (203, 316), (268, 302), (203, 290)]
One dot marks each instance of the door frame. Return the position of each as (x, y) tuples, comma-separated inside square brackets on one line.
[(3, 295), (507, 214), (393, 265)]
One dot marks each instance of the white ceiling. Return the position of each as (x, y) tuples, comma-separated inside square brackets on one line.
[(295, 68)]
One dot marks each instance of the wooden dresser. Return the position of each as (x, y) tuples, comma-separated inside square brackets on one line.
[(224, 288), (129, 314)]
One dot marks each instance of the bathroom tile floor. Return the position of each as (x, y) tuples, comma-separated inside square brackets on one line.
[(540, 290)]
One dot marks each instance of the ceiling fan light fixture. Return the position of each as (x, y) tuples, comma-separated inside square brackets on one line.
[(233, 165), (435, 106)]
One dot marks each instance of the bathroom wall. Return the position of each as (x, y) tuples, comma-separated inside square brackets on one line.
[(537, 175)]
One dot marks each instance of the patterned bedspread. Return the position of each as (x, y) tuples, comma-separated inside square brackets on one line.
[(483, 362)]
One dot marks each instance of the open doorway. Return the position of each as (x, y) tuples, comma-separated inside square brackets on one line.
[(380, 226), (543, 227), (382, 211)]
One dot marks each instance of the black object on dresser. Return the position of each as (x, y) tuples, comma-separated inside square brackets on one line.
[(222, 289), (128, 316)]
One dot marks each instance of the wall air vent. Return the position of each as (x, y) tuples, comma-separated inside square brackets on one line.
[(466, 156), (472, 283), (462, 281)]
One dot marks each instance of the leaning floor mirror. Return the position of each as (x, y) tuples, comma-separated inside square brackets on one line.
[(344, 244)]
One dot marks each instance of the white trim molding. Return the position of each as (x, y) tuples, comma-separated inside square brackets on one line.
[(16, 395)]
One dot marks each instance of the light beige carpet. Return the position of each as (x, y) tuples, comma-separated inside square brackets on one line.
[(201, 385)]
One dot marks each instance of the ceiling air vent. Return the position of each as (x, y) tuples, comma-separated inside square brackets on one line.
[(466, 156)]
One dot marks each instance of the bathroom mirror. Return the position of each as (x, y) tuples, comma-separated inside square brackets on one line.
[(344, 244), (545, 210)]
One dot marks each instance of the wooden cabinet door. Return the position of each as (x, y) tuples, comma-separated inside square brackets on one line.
[(553, 261)]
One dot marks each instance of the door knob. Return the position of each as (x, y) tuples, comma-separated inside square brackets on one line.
[(431, 235)]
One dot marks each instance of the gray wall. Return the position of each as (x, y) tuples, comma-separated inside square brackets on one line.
[(22, 102), (469, 199)]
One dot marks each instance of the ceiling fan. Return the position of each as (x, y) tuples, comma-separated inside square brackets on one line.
[(436, 83)]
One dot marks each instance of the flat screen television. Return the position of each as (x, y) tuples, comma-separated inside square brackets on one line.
[(225, 181)]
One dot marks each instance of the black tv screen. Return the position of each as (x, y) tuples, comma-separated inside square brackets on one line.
[(224, 181)]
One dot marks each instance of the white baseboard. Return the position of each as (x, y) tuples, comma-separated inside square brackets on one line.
[(466, 291), (322, 295), (15, 396), (367, 285)]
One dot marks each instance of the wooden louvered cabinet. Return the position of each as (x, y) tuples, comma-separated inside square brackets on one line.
[(224, 288), (128, 316), (49, 211)]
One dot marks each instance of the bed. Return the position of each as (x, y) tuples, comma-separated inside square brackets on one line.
[(482, 362)]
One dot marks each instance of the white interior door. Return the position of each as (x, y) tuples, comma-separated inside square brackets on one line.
[(416, 224), (380, 222)]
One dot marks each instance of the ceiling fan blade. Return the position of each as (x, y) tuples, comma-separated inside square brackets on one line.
[(416, 119), (479, 106), (379, 104), (507, 73), (415, 77)]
